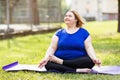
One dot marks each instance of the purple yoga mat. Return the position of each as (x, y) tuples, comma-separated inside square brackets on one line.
[(106, 70), (10, 65), (15, 66)]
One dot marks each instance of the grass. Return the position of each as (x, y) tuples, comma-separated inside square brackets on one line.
[(31, 49)]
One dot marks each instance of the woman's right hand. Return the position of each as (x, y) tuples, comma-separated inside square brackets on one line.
[(42, 63)]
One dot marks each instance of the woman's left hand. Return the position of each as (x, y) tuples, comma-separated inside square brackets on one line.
[(97, 61)]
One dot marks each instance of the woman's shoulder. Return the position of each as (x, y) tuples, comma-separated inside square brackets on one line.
[(84, 30), (59, 31)]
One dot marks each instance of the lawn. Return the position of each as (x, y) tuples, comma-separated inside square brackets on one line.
[(31, 49)]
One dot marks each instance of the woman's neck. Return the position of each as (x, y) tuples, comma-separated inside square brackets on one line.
[(72, 29), (69, 27)]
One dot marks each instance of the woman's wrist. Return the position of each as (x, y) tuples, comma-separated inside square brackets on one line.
[(46, 58)]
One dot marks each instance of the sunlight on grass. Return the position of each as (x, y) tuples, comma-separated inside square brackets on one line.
[(103, 27)]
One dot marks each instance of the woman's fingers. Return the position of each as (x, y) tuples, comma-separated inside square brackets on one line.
[(42, 63), (97, 61)]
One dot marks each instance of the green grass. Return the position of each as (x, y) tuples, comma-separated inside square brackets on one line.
[(31, 49)]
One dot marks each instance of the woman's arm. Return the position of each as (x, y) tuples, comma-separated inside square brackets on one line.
[(50, 51), (90, 50)]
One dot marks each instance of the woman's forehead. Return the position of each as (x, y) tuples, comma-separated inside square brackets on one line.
[(69, 13)]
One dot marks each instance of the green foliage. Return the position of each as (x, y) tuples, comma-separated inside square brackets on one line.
[(64, 7), (31, 49)]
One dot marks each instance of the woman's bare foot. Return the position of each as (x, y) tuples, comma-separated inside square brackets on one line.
[(56, 59), (84, 70)]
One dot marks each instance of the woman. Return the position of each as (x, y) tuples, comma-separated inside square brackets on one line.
[(71, 48)]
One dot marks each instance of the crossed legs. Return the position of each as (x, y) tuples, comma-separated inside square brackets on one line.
[(83, 64)]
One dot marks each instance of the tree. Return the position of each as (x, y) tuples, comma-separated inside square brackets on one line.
[(64, 7), (12, 4), (4, 6), (118, 15), (35, 12)]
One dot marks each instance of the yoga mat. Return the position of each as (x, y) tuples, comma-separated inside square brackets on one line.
[(15, 66), (106, 70)]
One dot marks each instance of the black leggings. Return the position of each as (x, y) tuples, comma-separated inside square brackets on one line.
[(71, 65)]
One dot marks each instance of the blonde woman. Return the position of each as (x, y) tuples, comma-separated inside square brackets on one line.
[(71, 48)]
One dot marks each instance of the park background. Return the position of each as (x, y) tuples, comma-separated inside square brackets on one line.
[(27, 26)]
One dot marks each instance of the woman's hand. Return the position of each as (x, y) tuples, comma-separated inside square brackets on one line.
[(97, 61), (43, 63)]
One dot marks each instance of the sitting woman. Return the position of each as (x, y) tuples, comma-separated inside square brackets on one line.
[(71, 48)]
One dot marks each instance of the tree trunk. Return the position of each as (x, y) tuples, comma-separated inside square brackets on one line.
[(119, 16), (35, 13), (11, 11), (5, 18), (12, 4)]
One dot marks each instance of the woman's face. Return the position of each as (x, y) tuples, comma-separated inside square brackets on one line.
[(69, 18)]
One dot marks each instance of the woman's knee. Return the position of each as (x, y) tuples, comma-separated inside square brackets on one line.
[(90, 63)]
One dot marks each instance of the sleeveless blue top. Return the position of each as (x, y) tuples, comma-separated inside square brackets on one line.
[(71, 46)]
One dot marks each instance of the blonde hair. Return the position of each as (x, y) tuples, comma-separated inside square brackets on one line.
[(80, 21)]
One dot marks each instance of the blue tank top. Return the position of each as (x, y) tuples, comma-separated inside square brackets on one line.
[(71, 46)]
